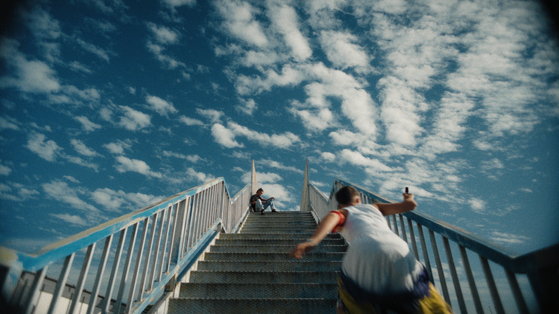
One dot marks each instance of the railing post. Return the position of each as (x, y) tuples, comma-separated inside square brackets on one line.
[(305, 197), (545, 284)]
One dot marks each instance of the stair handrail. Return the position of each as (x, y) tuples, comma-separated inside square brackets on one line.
[(540, 266), (184, 224)]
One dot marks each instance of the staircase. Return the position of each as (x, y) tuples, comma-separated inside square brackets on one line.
[(251, 272)]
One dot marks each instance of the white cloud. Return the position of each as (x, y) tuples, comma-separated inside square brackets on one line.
[(342, 51), (60, 191), (246, 106), (285, 140), (134, 165), (285, 20), (477, 205), (134, 120), (400, 111), (328, 157), (5, 171), (117, 148), (289, 76), (161, 106), (82, 149), (199, 176), (224, 136), (169, 62), (190, 121), (357, 159), (99, 52), (29, 76), (492, 164), (178, 3), (508, 238), (46, 149), (191, 158), (239, 21), (119, 201), (163, 35), (211, 114), (87, 124), (279, 165), (71, 219), (8, 123)]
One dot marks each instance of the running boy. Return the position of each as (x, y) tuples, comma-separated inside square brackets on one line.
[(379, 272)]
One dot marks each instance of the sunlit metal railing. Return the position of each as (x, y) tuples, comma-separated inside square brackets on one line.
[(510, 283), (126, 263)]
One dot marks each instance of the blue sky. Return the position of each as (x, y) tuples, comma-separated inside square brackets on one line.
[(107, 106)]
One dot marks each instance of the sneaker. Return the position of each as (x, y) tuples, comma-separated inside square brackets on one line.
[(274, 211), (261, 212)]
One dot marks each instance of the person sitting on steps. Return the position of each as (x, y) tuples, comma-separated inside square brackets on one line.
[(260, 204)]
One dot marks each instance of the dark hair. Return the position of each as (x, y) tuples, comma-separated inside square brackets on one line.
[(260, 189), (346, 195)]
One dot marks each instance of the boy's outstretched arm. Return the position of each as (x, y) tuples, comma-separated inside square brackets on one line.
[(326, 226), (397, 208)]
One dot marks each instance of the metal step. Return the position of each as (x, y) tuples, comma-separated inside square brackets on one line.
[(292, 265), (259, 290), (243, 306), (263, 248), (283, 235), (292, 242), (245, 257), (270, 277), (251, 271)]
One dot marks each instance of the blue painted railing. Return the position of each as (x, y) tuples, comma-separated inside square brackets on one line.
[(533, 279), (155, 246)]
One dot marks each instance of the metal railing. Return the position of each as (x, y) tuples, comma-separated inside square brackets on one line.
[(531, 280), (155, 246)]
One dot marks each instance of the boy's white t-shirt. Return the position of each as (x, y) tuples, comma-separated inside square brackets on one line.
[(377, 259)]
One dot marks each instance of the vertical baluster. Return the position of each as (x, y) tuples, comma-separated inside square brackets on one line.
[(19, 292), (125, 271), (174, 244), (156, 251), (35, 290), (61, 283), (99, 277), (491, 285), (215, 202), (81, 280), (114, 271), (471, 279), (147, 270), (413, 241), (205, 212), (396, 231), (425, 252), (166, 252), (439, 266), (404, 236), (135, 274), (193, 220), (211, 208), (201, 215), (454, 275), (188, 225), (520, 303), (191, 228)]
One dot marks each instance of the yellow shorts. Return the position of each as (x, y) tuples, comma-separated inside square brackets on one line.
[(434, 303)]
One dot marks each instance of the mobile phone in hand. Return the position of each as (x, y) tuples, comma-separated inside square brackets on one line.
[(407, 190)]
